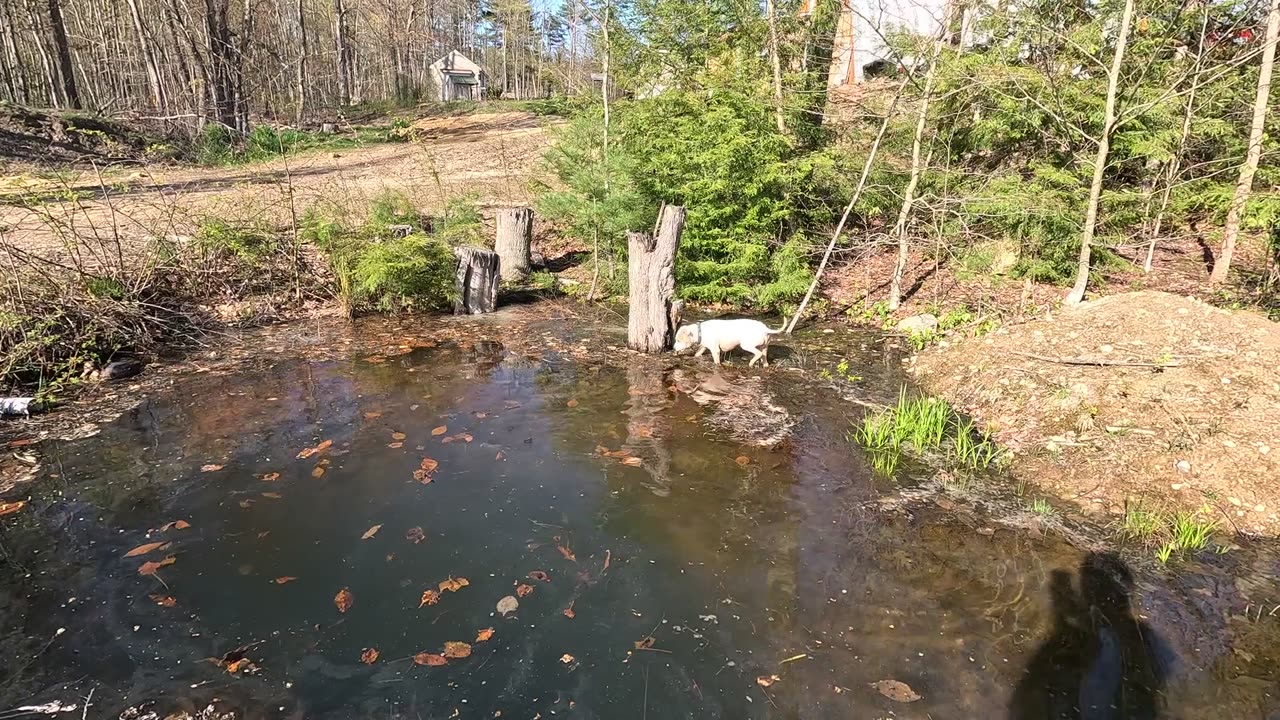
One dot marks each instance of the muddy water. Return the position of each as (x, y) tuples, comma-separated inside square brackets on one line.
[(708, 530)]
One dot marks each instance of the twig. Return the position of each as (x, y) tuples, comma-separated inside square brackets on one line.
[(87, 701), (1098, 363)]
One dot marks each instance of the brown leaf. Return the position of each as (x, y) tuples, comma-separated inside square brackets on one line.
[(284, 579), (343, 600), (238, 665), (572, 403), (163, 600), (539, 575), (398, 436), (633, 461), (484, 635), (460, 437), (271, 477), (429, 659), (9, 508), (567, 658), (395, 445), (440, 430), (308, 452), (567, 553), (523, 590), (743, 460), (317, 471), (645, 642), (150, 568), (608, 556), (895, 690), (372, 415), (453, 584), (370, 532), (456, 650), (175, 525), (767, 680), (508, 605), (144, 549), (415, 535), (369, 656), (272, 495), (500, 456), (210, 468), (569, 613), (429, 597), (428, 464)]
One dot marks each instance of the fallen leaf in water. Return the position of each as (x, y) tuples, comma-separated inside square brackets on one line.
[(767, 680), (500, 456), (430, 659), (317, 471), (429, 597), (453, 584), (415, 535), (539, 576), (439, 430), (210, 468), (271, 477), (370, 532), (895, 690), (308, 452), (743, 460), (569, 613), (343, 600), (238, 665), (272, 495), (567, 553), (484, 635), (572, 403), (263, 534), (9, 508), (150, 568), (395, 445), (163, 600), (144, 549), (567, 658), (608, 556), (633, 461), (246, 503), (523, 590), (372, 415), (456, 650), (398, 436), (508, 605), (428, 465), (460, 437), (645, 642), (284, 579), (369, 656)]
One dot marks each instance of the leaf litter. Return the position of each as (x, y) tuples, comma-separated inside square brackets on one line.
[(429, 597), (430, 659), (308, 452), (343, 600), (369, 656), (456, 650), (896, 690), (150, 568), (370, 532), (484, 635), (453, 584)]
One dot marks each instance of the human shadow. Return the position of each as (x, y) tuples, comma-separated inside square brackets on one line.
[(1099, 661)]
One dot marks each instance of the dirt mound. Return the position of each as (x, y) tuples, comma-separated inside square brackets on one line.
[(58, 138), (1140, 395)]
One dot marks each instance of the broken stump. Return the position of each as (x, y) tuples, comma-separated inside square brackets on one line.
[(651, 263), (515, 235), (476, 286)]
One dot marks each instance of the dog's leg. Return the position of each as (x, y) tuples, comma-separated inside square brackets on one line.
[(755, 355), (701, 349), (764, 355), (715, 354)]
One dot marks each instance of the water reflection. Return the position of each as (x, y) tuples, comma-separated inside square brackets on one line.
[(1099, 662)]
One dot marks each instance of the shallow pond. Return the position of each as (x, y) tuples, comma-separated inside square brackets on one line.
[(682, 542)]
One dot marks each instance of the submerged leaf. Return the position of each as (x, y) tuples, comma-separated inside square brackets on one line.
[(453, 584), (150, 568), (210, 468), (369, 656), (743, 460), (523, 590), (508, 605), (457, 650), (284, 579), (645, 642), (567, 553), (633, 461), (432, 660), (317, 471), (896, 690), (370, 532), (272, 495), (429, 597), (163, 600), (175, 525), (569, 613), (398, 436), (484, 635), (144, 549), (572, 403), (343, 600), (271, 477), (440, 430), (539, 575), (767, 680), (415, 535)]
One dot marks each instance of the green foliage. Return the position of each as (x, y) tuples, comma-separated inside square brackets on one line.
[(414, 272), (250, 244), (460, 223), (924, 425), (393, 207)]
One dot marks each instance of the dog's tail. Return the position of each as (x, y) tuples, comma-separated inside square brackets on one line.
[(781, 329)]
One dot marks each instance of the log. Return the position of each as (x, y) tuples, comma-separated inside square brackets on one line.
[(476, 287), (515, 235), (651, 264)]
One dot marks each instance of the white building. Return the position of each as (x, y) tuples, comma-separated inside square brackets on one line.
[(860, 39), (457, 78)]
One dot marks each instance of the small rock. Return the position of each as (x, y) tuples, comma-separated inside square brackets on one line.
[(1178, 486), (986, 531), (1106, 349), (1234, 501), (1259, 508), (1263, 449), (1183, 467), (925, 322)]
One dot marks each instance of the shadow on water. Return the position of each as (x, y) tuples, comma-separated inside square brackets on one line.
[(1099, 661), (688, 533)]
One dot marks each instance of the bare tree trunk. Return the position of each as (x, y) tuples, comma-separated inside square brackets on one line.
[(63, 49), (476, 284), (343, 52), (300, 79), (857, 193), (148, 56), (1174, 168), (515, 235), (651, 261), (917, 167), (1100, 162), (1244, 186), (777, 66)]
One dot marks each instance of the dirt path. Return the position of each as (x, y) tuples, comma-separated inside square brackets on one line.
[(492, 157)]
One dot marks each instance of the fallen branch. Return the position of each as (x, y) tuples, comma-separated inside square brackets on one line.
[(1097, 363)]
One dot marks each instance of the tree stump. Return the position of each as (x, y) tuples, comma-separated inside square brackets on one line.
[(651, 265), (515, 235), (476, 286)]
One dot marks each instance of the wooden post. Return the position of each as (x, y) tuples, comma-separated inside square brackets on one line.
[(651, 271), (476, 287), (515, 235)]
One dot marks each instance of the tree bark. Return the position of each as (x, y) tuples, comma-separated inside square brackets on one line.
[(1244, 186), (651, 272), (63, 49), (1100, 162), (148, 56), (515, 236), (778, 116), (300, 79), (476, 285), (343, 52)]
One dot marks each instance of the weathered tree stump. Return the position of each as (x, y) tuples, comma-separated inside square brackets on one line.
[(515, 235), (651, 262), (476, 286)]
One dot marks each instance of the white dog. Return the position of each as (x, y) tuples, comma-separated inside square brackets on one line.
[(721, 336)]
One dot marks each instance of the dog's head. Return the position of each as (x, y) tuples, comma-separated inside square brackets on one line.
[(686, 337)]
